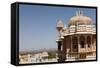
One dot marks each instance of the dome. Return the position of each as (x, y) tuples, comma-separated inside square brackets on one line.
[(60, 23), (80, 19)]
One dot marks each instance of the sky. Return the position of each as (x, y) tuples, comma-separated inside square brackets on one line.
[(37, 24)]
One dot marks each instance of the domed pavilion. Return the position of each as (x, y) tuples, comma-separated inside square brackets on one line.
[(77, 41)]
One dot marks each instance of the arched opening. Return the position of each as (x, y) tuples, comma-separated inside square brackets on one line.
[(82, 42), (89, 41), (82, 45), (94, 42), (75, 44)]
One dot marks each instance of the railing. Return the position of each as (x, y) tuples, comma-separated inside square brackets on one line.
[(82, 28), (80, 56)]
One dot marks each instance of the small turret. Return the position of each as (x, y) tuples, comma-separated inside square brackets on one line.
[(59, 26)]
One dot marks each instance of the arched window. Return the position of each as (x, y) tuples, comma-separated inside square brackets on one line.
[(82, 42), (75, 42), (89, 41), (94, 40)]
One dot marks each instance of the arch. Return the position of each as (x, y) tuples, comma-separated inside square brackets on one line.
[(94, 40), (75, 44), (82, 41), (89, 41)]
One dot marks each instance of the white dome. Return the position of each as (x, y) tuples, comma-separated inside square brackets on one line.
[(60, 24), (80, 19)]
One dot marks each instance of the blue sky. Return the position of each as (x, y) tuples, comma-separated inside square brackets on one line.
[(37, 24)]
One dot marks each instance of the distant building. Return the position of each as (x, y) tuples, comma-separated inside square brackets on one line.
[(23, 58), (33, 58), (78, 40)]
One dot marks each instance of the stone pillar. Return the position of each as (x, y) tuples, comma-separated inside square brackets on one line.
[(59, 51), (78, 47), (91, 43), (79, 44), (64, 49), (71, 46), (86, 46), (92, 47)]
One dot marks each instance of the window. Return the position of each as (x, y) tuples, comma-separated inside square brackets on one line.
[(82, 42), (75, 44), (89, 41)]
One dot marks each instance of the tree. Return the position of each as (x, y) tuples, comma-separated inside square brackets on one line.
[(51, 55)]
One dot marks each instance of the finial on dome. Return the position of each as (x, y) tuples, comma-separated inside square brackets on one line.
[(76, 13), (79, 12)]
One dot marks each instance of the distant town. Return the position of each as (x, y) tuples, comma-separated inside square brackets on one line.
[(38, 56)]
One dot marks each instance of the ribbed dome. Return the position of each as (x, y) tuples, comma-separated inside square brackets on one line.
[(80, 19)]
